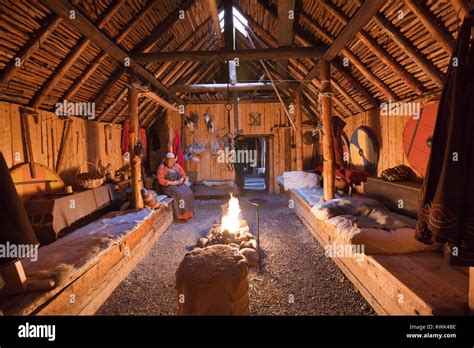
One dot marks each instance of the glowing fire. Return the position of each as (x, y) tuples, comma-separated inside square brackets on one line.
[(231, 221)]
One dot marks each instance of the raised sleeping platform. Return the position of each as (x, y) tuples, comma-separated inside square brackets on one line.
[(416, 283), (89, 263)]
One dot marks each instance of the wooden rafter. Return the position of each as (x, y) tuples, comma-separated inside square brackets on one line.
[(222, 87), (285, 29), (409, 49), (368, 41), (31, 46), (180, 68), (438, 32), (363, 15), (347, 75), (63, 8), (224, 55), (73, 55), (144, 46), (92, 67), (215, 20), (300, 36), (163, 67)]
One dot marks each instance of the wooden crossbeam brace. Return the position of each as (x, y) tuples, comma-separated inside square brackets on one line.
[(363, 15), (63, 8), (31, 46), (71, 58)]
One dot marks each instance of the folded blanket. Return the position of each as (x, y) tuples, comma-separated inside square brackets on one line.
[(299, 179)]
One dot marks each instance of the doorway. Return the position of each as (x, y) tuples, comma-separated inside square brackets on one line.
[(255, 151)]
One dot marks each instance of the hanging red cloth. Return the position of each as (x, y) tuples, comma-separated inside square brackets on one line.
[(337, 125), (178, 149), (125, 138)]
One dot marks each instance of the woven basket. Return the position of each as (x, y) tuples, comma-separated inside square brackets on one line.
[(89, 180)]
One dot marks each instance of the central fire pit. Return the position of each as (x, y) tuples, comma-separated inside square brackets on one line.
[(234, 232)]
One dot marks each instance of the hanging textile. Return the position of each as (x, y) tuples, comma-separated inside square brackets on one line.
[(125, 146), (178, 149), (125, 138), (337, 125), (143, 140), (446, 211)]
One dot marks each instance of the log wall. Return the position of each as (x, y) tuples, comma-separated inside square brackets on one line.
[(86, 141)]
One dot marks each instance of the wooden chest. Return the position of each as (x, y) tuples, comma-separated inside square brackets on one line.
[(399, 196)]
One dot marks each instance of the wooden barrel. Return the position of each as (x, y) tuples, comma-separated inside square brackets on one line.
[(213, 281)]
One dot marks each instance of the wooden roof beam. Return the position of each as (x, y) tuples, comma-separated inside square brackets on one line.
[(62, 8), (160, 101), (225, 55), (427, 19), (409, 49), (161, 69), (152, 39), (212, 4), (165, 80), (30, 47), (347, 75), (363, 15), (299, 35), (368, 41), (286, 11), (354, 60), (92, 67), (71, 58), (222, 87)]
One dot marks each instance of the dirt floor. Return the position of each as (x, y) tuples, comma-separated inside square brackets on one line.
[(296, 278)]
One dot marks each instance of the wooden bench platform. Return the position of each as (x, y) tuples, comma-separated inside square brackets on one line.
[(86, 289), (418, 283)]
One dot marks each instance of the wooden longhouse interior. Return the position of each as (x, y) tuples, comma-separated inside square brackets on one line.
[(266, 150)]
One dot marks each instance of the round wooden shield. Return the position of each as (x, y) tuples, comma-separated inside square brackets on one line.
[(45, 182), (417, 138), (364, 150)]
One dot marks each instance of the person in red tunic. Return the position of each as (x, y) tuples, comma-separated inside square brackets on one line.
[(171, 178)]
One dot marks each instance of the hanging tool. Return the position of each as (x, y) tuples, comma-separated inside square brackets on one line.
[(24, 112), (64, 138)]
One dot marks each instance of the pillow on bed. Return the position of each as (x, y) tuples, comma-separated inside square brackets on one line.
[(300, 179)]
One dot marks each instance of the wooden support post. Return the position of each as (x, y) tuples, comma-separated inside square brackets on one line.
[(136, 163), (471, 289), (328, 143), (298, 135)]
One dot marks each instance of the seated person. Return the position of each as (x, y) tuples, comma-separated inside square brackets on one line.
[(171, 178)]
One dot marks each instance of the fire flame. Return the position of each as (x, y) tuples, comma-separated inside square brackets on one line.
[(231, 221)]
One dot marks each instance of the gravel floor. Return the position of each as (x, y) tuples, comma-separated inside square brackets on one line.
[(296, 279)]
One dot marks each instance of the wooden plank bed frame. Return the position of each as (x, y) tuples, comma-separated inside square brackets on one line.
[(88, 288), (418, 283)]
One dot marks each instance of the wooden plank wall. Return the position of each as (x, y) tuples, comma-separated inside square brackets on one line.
[(86, 141), (390, 138), (271, 114)]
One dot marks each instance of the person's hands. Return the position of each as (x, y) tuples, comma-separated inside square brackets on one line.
[(181, 181)]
